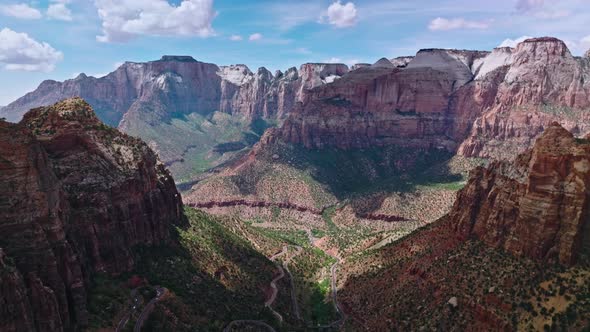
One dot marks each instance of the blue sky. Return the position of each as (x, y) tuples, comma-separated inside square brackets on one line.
[(57, 39)]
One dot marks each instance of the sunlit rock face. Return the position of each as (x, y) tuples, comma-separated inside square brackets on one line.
[(536, 206)]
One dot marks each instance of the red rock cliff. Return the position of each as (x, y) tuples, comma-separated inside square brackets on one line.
[(478, 104), (538, 205), (75, 197)]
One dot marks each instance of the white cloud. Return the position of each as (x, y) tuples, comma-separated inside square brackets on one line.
[(585, 45), (22, 10), (443, 24), (553, 14), (339, 15), (58, 10), (526, 6), (289, 14), (348, 62), (123, 20), (255, 37), (236, 38), (578, 46), (18, 51), (513, 42), (302, 50)]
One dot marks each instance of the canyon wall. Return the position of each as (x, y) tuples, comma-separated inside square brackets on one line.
[(76, 197), (156, 91), (478, 104), (537, 206)]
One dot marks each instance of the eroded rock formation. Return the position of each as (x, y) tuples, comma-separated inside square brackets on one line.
[(155, 91), (479, 104), (75, 197), (538, 205)]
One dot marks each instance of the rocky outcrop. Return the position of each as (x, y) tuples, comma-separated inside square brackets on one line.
[(499, 57), (456, 64), (374, 106), (478, 104), (383, 63), (76, 196), (165, 102), (155, 91), (401, 61), (542, 83), (537, 206)]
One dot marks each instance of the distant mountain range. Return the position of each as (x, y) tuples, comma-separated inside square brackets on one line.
[(198, 116)]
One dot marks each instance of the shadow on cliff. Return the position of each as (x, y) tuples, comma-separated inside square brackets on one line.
[(215, 276), (376, 171)]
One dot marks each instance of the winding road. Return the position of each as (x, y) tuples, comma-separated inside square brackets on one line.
[(333, 284), (136, 301), (273, 285), (147, 310)]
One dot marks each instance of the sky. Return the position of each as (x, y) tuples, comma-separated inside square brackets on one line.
[(58, 39)]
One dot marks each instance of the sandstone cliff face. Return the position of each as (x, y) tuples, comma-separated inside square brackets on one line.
[(374, 106), (479, 104), (165, 102), (174, 85), (537, 206), (543, 83), (76, 197), (401, 61)]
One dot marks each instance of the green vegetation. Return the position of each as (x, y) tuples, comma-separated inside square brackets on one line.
[(338, 101), (215, 276), (454, 186), (191, 144), (356, 172), (293, 237), (322, 308), (107, 298)]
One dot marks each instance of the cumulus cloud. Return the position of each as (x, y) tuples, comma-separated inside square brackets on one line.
[(22, 11), (59, 10), (526, 6), (18, 51), (339, 15), (236, 38), (513, 42), (348, 62), (255, 37), (333, 60), (578, 46), (123, 20), (444, 24)]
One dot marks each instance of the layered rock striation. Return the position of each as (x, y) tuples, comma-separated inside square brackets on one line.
[(478, 104), (537, 206), (76, 196), (541, 83), (155, 91)]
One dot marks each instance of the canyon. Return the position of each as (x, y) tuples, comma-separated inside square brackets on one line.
[(198, 116), (454, 182), (511, 228)]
